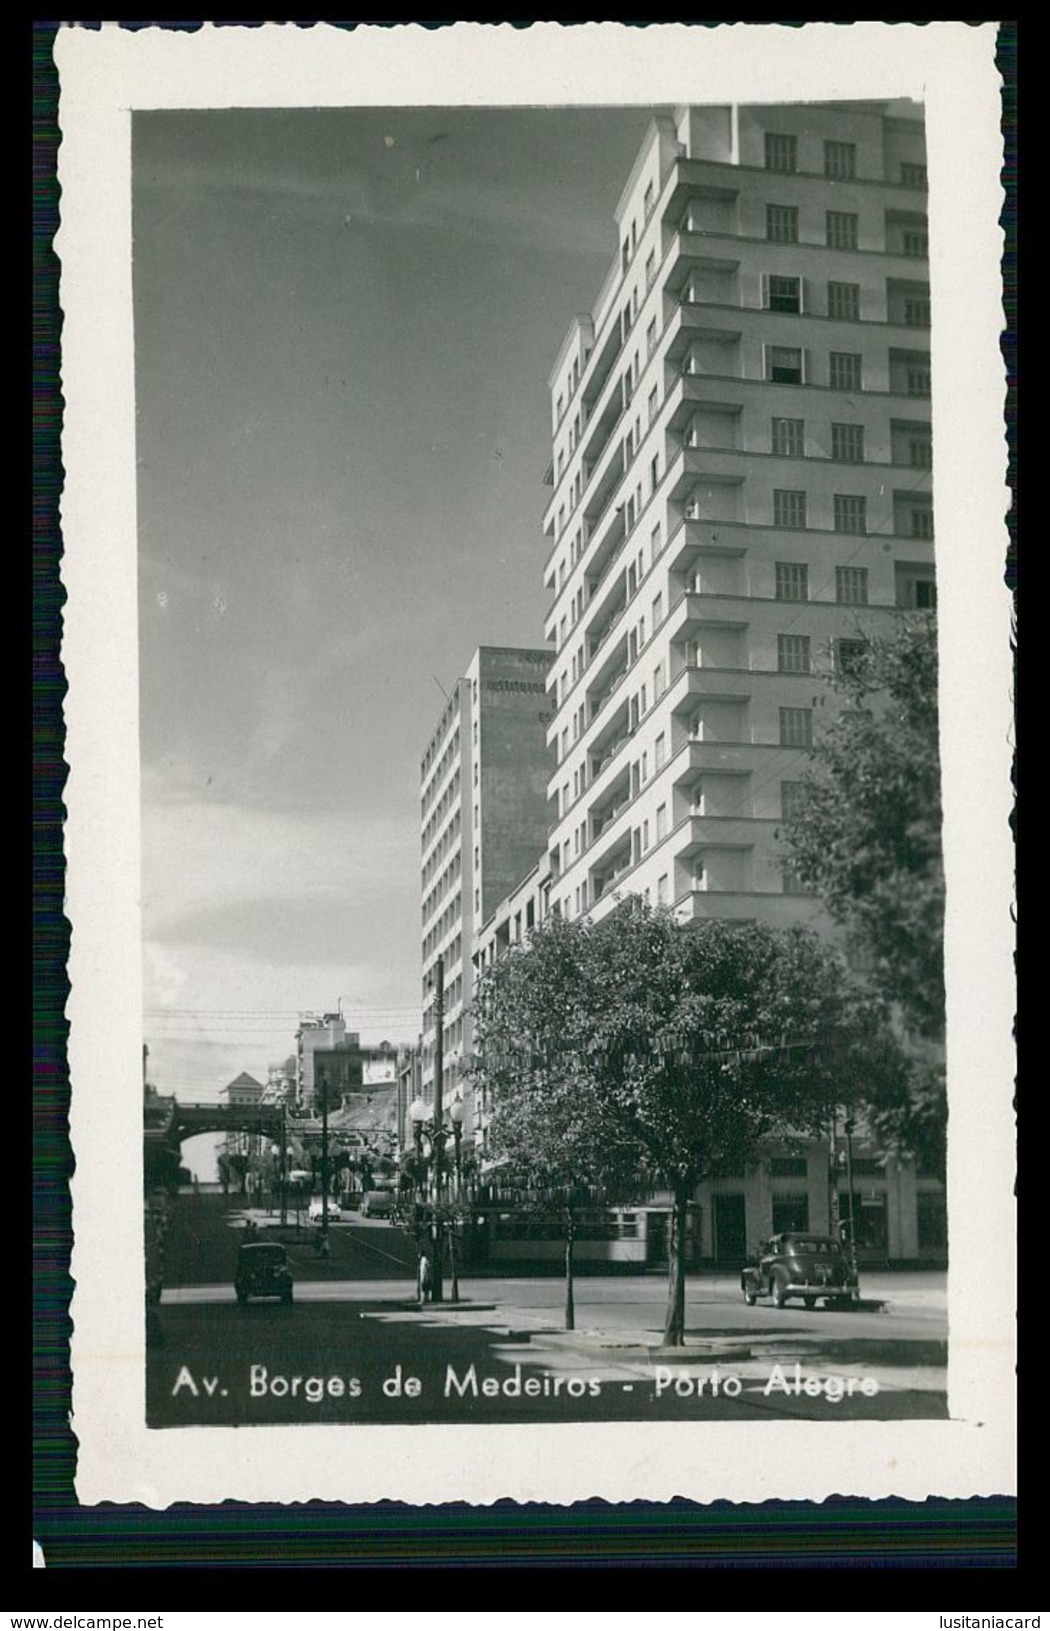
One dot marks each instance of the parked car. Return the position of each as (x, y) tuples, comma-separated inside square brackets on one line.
[(801, 1265), (378, 1203), (316, 1212), (262, 1270)]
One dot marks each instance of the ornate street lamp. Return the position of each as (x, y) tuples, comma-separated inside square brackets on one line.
[(427, 1125)]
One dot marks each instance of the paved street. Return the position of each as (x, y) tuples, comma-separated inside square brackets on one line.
[(501, 1354)]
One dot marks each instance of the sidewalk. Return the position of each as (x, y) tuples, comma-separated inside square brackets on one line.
[(625, 1336)]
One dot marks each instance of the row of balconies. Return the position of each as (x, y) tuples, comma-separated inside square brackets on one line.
[(792, 377), (694, 195), (699, 579), (690, 281)]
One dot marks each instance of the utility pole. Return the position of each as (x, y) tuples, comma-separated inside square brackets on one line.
[(322, 1082), (284, 1165), (437, 1294)]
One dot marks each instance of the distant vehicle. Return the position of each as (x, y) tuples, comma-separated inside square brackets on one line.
[(378, 1203), (801, 1265), (262, 1270), (316, 1213)]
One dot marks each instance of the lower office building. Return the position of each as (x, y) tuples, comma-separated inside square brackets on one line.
[(484, 821)]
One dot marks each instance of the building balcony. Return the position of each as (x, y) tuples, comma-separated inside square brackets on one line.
[(609, 735), (697, 833), (708, 683), (694, 613), (605, 676), (777, 910), (695, 758)]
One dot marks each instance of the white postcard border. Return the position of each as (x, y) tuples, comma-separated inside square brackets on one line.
[(106, 73)]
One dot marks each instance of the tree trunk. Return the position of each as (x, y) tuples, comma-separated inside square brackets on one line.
[(674, 1326), (570, 1238)]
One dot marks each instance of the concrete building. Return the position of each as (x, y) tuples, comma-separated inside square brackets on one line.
[(483, 815), (326, 1052), (742, 487)]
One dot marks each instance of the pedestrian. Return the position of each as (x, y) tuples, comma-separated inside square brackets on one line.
[(424, 1279)]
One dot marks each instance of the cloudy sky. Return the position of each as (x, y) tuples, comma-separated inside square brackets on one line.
[(344, 324)]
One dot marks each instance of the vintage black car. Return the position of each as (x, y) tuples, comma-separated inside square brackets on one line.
[(801, 1265), (263, 1270)]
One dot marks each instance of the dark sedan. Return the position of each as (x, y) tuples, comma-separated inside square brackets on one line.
[(801, 1265), (262, 1270)]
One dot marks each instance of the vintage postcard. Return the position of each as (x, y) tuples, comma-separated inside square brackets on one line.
[(502, 467)]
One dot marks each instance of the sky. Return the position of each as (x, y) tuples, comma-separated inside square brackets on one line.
[(344, 325)]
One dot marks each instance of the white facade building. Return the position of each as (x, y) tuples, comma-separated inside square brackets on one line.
[(742, 474)]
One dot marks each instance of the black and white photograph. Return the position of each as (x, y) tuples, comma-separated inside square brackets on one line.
[(534, 1017)]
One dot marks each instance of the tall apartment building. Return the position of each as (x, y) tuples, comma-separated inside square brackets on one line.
[(742, 480), (484, 820)]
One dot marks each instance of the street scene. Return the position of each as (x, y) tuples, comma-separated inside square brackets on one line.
[(542, 882), (499, 1353)]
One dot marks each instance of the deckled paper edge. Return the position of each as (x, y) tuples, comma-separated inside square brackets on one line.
[(104, 74)]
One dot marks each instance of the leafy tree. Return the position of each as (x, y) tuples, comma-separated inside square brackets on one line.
[(866, 836), (867, 832), (709, 1036), (641, 1049), (551, 1131)]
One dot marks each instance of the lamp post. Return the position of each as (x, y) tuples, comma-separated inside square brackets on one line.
[(323, 1087), (427, 1125), (849, 1126), (455, 1116)]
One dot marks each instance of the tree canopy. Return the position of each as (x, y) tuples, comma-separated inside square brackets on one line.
[(866, 835), (640, 1046)]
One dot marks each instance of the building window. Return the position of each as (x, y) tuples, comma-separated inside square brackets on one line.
[(661, 889), (656, 541), (913, 175), (840, 160), (844, 301), (917, 314), (851, 512), (925, 594), (920, 452), (781, 152), (792, 799), (793, 654), (851, 585), (660, 751), (789, 508), (917, 381), (784, 293), (654, 397), (792, 580), (650, 338), (648, 202), (847, 444), (849, 655), (650, 271), (844, 370), (921, 518), (796, 727), (782, 223), (661, 822), (785, 364), (916, 244), (788, 439), (841, 229)]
